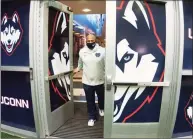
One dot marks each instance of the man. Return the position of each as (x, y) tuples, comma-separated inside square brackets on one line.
[(92, 61)]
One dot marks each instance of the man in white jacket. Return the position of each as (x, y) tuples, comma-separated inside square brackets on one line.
[(92, 62)]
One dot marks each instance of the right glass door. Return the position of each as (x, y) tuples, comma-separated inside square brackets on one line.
[(140, 87)]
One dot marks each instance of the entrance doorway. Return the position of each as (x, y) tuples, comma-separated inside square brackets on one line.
[(140, 72)]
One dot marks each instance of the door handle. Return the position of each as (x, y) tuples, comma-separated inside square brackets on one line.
[(31, 73), (58, 75), (141, 83), (108, 82)]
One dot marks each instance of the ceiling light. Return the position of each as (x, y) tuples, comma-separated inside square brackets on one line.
[(86, 10)]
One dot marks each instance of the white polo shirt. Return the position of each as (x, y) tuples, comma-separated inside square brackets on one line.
[(93, 64)]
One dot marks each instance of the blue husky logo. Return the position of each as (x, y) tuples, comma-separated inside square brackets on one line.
[(59, 55), (139, 58), (11, 33), (97, 54)]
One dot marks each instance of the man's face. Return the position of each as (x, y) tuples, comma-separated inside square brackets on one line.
[(90, 39)]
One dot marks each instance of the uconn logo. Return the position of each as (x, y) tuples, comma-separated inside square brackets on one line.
[(14, 102), (11, 33)]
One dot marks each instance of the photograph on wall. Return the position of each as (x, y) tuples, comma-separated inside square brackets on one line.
[(15, 33), (93, 22), (140, 41), (58, 57), (84, 24)]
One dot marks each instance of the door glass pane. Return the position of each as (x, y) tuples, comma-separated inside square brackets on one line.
[(58, 57), (188, 35), (140, 57), (15, 33), (184, 115), (16, 100)]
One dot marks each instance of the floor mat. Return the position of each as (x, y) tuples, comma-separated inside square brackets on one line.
[(78, 128)]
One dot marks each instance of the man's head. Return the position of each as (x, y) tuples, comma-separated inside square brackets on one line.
[(90, 41)]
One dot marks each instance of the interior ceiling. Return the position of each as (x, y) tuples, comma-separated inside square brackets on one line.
[(97, 7)]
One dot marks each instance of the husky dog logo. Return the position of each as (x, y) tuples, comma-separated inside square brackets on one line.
[(188, 110), (11, 33), (59, 56), (137, 42), (97, 54)]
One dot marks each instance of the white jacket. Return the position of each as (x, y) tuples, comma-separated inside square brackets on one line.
[(93, 64)]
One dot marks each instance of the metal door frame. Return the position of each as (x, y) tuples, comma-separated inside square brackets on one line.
[(51, 119), (174, 37)]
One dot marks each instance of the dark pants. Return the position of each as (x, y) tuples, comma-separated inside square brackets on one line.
[(90, 98)]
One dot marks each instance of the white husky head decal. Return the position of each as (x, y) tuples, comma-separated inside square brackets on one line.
[(135, 61), (188, 111), (11, 33), (59, 54)]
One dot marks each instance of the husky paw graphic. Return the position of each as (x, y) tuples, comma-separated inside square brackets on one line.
[(11, 33)]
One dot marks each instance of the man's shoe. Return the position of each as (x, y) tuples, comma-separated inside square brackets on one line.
[(91, 122), (101, 112)]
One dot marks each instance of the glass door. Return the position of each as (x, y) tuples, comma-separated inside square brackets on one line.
[(58, 64), (144, 53)]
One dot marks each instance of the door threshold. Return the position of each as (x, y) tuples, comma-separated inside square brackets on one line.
[(82, 101), (51, 137)]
